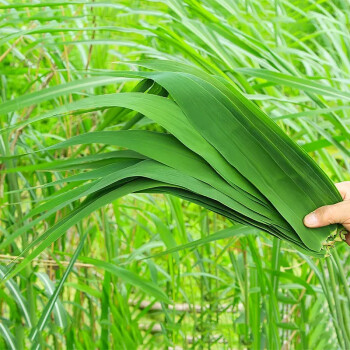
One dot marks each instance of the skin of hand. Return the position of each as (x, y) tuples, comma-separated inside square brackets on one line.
[(333, 214)]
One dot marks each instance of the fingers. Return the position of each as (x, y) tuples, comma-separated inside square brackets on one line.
[(333, 214), (330, 214), (344, 189)]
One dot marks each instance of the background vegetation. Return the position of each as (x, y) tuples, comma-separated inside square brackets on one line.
[(104, 280)]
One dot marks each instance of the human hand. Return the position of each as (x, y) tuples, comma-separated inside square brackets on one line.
[(333, 214)]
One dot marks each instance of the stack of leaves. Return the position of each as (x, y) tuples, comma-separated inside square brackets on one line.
[(220, 151)]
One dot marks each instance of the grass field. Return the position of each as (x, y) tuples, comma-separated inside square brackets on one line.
[(104, 283)]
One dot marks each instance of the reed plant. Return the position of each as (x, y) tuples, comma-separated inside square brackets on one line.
[(157, 159)]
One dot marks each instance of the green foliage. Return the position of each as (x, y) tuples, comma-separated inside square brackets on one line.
[(154, 270)]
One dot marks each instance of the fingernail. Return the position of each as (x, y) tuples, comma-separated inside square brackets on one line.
[(310, 220)]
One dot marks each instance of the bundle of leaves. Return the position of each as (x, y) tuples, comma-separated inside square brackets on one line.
[(219, 151)]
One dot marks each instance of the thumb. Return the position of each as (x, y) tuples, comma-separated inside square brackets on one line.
[(330, 214)]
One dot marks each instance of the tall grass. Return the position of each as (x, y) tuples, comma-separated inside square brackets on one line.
[(107, 282)]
